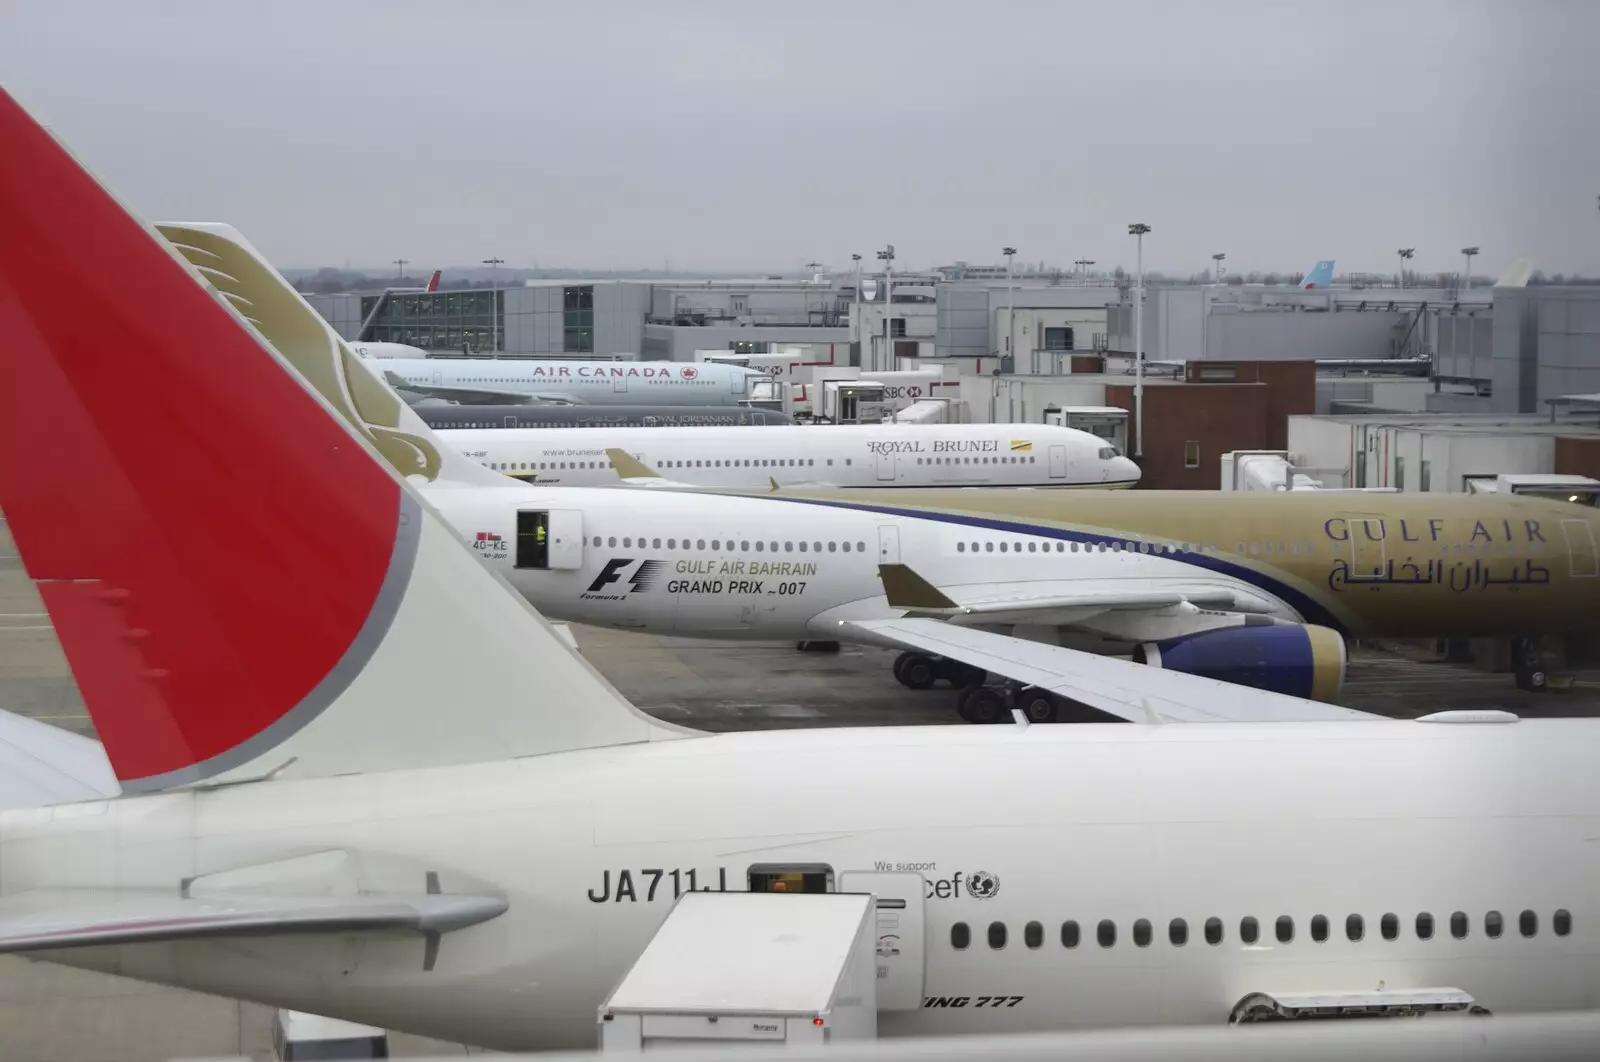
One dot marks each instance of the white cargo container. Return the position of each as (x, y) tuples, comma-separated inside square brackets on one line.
[(736, 968)]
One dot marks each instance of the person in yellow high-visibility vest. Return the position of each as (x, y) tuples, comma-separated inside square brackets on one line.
[(538, 534)]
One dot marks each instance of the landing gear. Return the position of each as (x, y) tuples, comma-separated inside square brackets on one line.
[(919, 671), (817, 647), (1037, 705), (981, 704), (1529, 664)]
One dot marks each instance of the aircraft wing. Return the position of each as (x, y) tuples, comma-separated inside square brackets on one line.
[(45, 919), (42, 764), (470, 396), (1122, 688), (905, 589)]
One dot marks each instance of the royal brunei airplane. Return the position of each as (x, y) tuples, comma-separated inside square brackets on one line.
[(363, 778), (590, 382), (864, 455)]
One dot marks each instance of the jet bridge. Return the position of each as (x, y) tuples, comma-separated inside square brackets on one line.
[(733, 969)]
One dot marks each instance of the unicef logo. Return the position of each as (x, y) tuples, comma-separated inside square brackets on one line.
[(983, 885)]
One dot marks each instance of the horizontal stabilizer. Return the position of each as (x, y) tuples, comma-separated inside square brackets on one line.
[(42, 764), (45, 919), (629, 467), (1124, 689)]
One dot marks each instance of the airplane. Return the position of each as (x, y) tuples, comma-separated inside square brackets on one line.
[(421, 811), (586, 381), (546, 415), (845, 455), (1320, 276)]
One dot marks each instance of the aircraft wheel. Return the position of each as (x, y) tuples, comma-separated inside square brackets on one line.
[(1038, 706), (900, 666), (817, 647), (919, 672), (981, 704)]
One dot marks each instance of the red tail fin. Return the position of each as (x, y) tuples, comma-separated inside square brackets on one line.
[(206, 593), (433, 281)]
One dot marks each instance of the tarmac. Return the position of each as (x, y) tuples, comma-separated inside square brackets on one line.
[(50, 1013)]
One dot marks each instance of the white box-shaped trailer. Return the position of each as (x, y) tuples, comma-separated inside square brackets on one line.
[(750, 967)]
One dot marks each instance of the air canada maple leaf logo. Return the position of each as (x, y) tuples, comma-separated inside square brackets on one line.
[(688, 374)]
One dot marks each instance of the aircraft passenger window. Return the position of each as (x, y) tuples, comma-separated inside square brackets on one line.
[(1458, 924), (1424, 926), (1033, 547), (1528, 923), (960, 936), (847, 547), (1061, 547), (961, 547), (788, 547), (1319, 928), (1213, 931), (1255, 547), (760, 546), (847, 461), (1106, 933), (802, 547), (1033, 934), (1354, 927), (716, 543), (816, 547), (997, 935), (1141, 932), (1493, 924), (861, 547), (1002, 547), (613, 541), (1069, 934), (1561, 922), (830, 462), (774, 547), (672, 543), (627, 542), (1177, 932), (988, 547), (699, 543), (1284, 929), (1389, 926), (833, 547), (744, 547), (1249, 929), (599, 541)]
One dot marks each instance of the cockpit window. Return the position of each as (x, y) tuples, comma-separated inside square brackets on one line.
[(1107, 452)]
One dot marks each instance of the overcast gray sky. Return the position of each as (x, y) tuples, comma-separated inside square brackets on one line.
[(763, 135)]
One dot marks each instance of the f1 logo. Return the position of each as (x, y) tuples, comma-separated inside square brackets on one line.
[(643, 579)]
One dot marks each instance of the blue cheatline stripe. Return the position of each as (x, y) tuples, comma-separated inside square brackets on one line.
[(1309, 607)]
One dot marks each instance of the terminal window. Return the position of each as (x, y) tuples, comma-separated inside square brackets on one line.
[(1191, 454)]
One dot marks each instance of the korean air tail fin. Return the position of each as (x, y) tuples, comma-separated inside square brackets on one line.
[(1321, 276), (243, 585)]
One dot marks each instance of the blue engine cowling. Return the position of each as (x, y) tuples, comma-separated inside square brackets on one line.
[(1299, 660)]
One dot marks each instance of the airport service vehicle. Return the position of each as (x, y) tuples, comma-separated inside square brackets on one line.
[(845, 455), (586, 381), (420, 811), (544, 416)]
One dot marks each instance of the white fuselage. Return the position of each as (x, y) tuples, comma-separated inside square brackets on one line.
[(613, 383), (887, 455), (1132, 826), (764, 568)]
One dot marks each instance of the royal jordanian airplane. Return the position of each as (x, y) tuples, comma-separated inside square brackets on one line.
[(362, 778), (610, 383), (846, 455)]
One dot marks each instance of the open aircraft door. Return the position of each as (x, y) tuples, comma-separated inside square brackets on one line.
[(549, 539), (901, 941), (1058, 461)]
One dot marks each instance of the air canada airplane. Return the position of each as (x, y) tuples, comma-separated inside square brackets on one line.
[(592, 382), (847, 455), (419, 810), (546, 415)]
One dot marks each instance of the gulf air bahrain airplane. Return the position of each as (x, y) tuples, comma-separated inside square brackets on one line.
[(851, 455), (1254, 589), (361, 777)]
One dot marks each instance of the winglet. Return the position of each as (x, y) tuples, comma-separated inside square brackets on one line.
[(629, 467), (774, 481), (906, 589)]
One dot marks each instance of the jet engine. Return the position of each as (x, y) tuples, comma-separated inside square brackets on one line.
[(1300, 660)]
